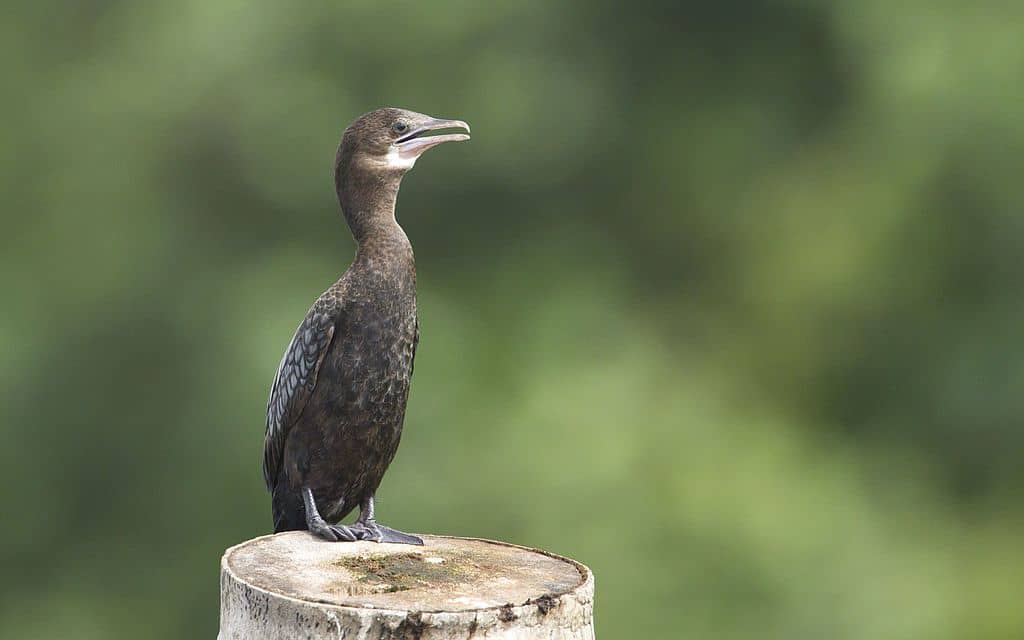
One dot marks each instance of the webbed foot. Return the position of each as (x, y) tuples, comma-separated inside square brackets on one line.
[(370, 531), (367, 527), (333, 532), (373, 532), (316, 525), (398, 537)]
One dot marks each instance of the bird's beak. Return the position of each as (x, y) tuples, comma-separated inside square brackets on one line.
[(413, 144)]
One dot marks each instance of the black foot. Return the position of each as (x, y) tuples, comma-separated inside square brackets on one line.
[(366, 527), (319, 528), (370, 531), (397, 537), (333, 532)]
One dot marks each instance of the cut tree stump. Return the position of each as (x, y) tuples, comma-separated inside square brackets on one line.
[(292, 585)]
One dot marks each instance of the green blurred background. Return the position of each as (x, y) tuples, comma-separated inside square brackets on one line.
[(724, 301)]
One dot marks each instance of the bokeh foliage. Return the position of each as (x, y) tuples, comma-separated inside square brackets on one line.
[(723, 300)]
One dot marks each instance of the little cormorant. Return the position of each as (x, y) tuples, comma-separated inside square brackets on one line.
[(336, 407)]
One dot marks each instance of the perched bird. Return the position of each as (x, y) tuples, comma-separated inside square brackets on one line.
[(336, 407)]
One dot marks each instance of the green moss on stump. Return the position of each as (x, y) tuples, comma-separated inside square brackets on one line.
[(400, 572)]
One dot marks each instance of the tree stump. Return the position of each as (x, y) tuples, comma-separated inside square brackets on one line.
[(292, 585)]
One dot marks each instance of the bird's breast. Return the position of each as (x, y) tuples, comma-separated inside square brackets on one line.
[(373, 359)]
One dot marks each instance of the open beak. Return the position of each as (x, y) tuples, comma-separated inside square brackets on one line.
[(413, 144)]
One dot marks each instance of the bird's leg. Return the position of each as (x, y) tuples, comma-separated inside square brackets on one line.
[(366, 527), (316, 525)]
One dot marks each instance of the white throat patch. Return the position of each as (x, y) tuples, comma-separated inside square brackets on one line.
[(395, 160)]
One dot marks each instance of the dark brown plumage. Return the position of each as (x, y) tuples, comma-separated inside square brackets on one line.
[(337, 404)]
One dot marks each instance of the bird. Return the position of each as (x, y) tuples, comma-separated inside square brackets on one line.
[(337, 403)]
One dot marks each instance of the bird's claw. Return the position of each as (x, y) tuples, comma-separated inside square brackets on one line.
[(398, 537), (368, 531), (373, 532), (344, 533), (333, 532)]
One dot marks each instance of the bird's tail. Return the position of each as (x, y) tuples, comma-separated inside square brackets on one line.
[(289, 513)]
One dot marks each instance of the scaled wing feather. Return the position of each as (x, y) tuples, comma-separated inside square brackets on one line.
[(293, 384)]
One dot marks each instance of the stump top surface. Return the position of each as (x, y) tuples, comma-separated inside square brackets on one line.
[(446, 574)]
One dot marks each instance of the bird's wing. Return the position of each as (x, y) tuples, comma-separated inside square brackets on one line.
[(294, 384)]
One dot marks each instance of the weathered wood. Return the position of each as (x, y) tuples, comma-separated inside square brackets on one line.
[(291, 586)]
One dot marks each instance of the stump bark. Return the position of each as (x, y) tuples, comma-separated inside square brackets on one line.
[(292, 585)]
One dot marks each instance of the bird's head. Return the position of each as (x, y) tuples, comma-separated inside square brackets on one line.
[(391, 140)]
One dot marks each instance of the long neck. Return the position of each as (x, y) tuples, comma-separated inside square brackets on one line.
[(368, 201)]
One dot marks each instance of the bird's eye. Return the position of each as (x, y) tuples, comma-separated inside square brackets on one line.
[(399, 127)]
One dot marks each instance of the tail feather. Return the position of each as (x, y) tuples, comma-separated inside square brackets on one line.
[(289, 513)]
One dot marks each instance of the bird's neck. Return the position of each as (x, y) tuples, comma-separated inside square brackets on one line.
[(368, 202)]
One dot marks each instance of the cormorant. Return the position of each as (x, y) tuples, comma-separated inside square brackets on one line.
[(336, 407)]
